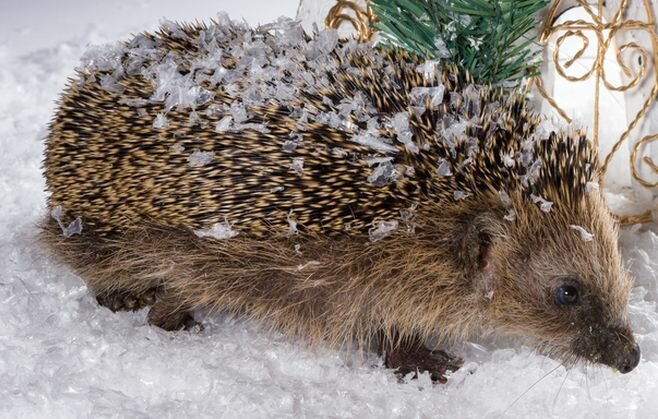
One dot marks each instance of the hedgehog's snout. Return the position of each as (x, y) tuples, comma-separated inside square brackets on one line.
[(627, 362), (618, 350)]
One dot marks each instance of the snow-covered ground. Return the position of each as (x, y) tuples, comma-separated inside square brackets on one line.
[(61, 355)]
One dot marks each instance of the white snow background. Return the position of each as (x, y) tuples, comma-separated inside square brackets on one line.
[(64, 356)]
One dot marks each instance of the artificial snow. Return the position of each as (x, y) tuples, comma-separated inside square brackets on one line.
[(160, 121), (408, 214), (297, 166), (584, 234), (510, 216), (442, 50), (384, 172), (223, 124), (382, 229), (174, 89), (508, 160), (219, 231), (64, 356), (292, 224), (443, 168), (374, 143), (200, 158), (591, 187), (400, 123), (504, 198), (75, 227), (544, 204), (433, 95), (460, 195)]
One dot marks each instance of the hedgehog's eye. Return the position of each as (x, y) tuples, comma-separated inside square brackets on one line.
[(567, 295)]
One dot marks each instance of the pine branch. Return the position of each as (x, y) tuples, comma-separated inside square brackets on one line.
[(488, 38)]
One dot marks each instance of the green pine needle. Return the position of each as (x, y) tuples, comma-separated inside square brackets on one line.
[(488, 38)]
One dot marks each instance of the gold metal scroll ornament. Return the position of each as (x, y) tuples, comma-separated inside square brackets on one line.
[(360, 21), (605, 33)]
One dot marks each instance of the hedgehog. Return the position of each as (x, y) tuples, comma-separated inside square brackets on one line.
[(340, 192)]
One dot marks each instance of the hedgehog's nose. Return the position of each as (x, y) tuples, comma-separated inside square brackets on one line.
[(629, 361)]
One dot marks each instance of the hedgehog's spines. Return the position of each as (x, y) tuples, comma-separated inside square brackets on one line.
[(114, 153)]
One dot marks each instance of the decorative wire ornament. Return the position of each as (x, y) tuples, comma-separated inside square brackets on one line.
[(618, 23), (361, 20)]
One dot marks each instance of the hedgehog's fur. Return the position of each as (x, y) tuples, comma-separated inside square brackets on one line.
[(474, 251)]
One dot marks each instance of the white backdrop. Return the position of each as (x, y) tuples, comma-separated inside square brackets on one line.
[(27, 25)]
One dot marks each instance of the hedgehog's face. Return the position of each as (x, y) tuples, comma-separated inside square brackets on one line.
[(565, 289)]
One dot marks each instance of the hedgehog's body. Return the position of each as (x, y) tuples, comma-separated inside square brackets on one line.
[(370, 192)]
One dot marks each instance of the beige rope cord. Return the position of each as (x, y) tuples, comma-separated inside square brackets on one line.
[(605, 33)]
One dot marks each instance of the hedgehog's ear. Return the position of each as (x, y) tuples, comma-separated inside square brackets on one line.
[(472, 244), (484, 250), (484, 262)]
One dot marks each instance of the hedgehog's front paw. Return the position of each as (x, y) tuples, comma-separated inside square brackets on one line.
[(416, 358), (126, 301), (169, 314)]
